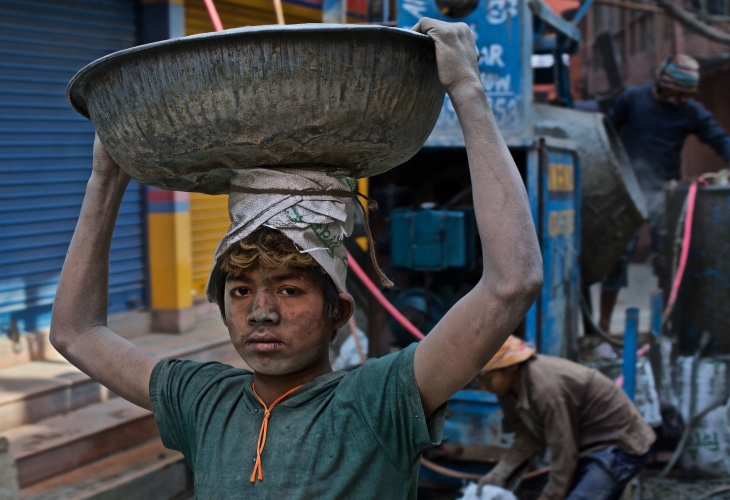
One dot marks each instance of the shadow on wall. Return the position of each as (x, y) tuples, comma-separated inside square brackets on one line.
[(26, 303)]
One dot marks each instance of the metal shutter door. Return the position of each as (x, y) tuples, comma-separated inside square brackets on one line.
[(46, 153), (208, 223)]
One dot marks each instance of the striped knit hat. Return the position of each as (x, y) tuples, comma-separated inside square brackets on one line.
[(512, 352), (680, 72)]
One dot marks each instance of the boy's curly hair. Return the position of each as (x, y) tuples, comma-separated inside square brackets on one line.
[(270, 248)]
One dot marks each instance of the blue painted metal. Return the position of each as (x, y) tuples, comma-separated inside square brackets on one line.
[(474, 418), (704, 295), (431, 240), (504, 38), (503, 32), (334, 11), (544, 14), (560, 243), (532, 184), (45, 154), (630, 346), (657, 307), (561, 70), (581, 12)]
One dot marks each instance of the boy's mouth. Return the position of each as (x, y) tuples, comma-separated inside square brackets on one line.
[(264, 342)]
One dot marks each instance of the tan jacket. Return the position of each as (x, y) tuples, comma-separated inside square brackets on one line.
[(573, 410)]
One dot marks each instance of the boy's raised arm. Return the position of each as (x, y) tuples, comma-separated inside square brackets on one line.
[(472, 331), (78, 324)]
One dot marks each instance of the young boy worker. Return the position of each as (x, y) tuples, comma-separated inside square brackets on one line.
[(293, 428), (596, 435)]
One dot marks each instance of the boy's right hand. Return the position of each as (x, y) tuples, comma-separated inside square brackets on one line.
[(104, 165)]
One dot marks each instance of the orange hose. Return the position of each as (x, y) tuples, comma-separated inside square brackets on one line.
[(472, 477), (410, 327)]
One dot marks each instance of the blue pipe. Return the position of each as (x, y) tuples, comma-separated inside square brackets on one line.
[(630, 345), (582, 12), (657, 308)]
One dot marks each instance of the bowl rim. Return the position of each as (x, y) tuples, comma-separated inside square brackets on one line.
[(78, 101)]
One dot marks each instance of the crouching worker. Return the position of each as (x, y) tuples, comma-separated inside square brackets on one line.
[(597, 438), (293, 428)]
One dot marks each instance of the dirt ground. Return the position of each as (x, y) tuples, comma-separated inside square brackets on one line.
[(652, 488), (671, 489)]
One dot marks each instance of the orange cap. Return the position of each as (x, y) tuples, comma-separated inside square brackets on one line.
[(512, 352)]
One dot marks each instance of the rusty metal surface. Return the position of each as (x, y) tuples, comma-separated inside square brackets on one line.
[(180, 114), (612, 205), (702, 302)]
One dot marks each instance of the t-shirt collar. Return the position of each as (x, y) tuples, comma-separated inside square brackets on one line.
[(306, 393)]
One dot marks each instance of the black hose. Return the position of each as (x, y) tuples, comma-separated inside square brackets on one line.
[(597, 329)]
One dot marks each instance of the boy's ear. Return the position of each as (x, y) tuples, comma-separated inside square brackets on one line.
[(347, 307)]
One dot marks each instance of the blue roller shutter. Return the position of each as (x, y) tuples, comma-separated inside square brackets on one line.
[(46, 153)]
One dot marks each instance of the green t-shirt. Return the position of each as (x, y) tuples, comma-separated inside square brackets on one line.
[(355, 434)]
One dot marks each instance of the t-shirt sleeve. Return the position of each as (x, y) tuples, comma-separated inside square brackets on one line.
[(618, 114), (710, 132), (390, 404), (176, 387)]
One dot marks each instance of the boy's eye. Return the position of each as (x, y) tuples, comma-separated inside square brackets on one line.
[(240, 291), (289, 291)]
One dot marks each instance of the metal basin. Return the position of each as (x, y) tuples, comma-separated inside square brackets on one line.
[(180, 114)]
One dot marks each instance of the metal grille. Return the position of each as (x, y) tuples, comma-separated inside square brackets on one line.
[(46, 153)]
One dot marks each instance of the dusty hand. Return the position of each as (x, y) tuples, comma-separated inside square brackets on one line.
[(456, 53), (486, 479), (104, 165)]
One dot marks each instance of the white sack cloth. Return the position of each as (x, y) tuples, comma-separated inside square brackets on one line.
[(316, 223), (489, 492)]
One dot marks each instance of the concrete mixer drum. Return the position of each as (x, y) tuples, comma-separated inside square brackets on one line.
[(612, 205)]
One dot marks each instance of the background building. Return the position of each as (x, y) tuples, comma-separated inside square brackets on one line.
[(642, 40)]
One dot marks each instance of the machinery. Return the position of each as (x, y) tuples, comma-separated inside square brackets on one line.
[(425, 228), (432, 235)]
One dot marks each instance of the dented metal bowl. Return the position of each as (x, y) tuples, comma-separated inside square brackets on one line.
[(180, 114)]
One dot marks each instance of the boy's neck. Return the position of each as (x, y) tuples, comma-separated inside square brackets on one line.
[(271, 387)]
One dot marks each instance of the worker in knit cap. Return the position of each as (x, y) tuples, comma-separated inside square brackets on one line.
[(290, 427), (654, 121), (597, 438)]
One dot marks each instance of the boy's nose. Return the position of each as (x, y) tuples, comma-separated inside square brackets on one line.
[(264, 310)]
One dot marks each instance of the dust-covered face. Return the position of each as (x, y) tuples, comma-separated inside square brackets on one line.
[(277, 322), (673, 96), (499, 382)]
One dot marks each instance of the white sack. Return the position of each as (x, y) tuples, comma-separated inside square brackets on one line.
[(489, 492), (708, 447), (316, 223)]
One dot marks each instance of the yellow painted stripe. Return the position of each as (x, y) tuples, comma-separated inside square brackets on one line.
[(208, 223), (238, 13), (170, 260), (363, 185)]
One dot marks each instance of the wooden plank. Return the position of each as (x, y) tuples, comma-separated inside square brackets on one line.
[(61, 443), (146, 471)]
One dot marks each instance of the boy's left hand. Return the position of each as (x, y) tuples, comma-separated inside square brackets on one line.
[(456, 52)]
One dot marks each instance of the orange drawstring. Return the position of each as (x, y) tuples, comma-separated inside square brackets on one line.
[(264, 429)]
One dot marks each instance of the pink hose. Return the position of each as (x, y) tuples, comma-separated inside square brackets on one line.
[(213, 13), (686, 239), (381, 298)]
